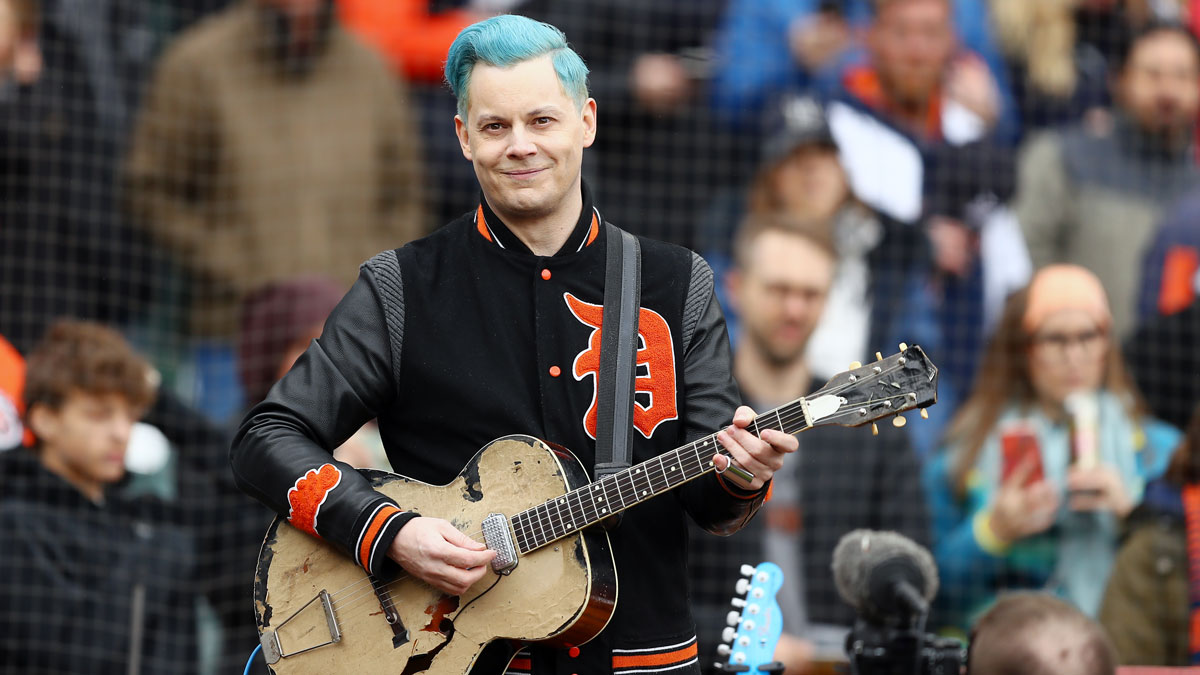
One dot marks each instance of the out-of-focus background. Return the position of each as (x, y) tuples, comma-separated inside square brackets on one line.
[(204, 177)]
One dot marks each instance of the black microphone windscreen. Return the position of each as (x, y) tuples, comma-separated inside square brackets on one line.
[(863, 553)]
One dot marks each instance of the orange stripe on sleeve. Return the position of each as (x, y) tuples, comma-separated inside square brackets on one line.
[(368, 540), (666, 658)]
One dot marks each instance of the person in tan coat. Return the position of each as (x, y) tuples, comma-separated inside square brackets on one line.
[(272, 143)]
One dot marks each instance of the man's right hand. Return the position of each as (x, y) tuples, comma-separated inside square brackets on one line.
[(434, 551)]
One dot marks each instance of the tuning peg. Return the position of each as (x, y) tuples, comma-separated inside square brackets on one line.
[(728, 633), (903, 346), (733, 618), (874, 429), (724, 650), (924, 413), (742, 586), (878, 356), (898, 421), (747, 570), (738, 602), (855, 364)]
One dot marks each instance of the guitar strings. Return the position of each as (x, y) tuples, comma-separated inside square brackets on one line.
[(345, 603)]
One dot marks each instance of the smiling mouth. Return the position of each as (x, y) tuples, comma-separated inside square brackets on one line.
[(523, 173)]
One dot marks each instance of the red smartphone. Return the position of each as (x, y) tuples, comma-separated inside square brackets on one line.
[(1019, 441)]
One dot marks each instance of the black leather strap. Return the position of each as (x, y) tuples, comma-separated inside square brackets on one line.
[(618, 352)]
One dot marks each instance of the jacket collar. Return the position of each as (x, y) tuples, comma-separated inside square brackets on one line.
[(587, 229)]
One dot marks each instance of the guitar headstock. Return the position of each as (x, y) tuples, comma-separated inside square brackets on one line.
[(903, 381), (757, 622)]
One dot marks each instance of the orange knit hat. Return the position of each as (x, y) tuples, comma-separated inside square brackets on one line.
[(1058, 287)]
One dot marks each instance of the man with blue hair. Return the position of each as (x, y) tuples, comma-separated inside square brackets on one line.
[(487, 316)]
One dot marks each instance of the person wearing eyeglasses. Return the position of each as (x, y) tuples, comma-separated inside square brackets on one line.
[(1050, 452)]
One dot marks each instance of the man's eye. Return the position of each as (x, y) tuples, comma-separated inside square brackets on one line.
[(543, 120), (494, 126)]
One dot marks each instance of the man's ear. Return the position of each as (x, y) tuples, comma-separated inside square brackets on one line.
[(43, 422), (460, 129), (589, 122)]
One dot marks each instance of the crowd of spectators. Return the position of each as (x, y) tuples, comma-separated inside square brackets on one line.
[(1011, 184)]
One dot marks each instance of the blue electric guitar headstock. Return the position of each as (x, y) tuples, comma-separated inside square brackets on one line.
[(756, 623)]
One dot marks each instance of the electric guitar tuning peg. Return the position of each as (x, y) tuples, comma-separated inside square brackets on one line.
[(742, 586), (924, 413), (733, 618), (878, 356), (724, 650), (738, 602), (874, 429), (903, 346), (899, 421), (855, 364), (747, 570), (728, 633)]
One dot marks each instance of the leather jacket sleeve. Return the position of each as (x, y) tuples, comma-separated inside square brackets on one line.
[(282, 453), (711, 397)]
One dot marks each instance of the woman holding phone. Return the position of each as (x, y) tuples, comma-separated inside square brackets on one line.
[(1045, 458)]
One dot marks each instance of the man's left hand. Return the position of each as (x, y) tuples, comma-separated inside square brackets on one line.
[(760, 455)]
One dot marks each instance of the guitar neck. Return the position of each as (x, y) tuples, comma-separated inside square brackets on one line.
[(592, 503)]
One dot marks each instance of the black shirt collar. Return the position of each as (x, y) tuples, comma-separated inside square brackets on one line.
[(587, 229)]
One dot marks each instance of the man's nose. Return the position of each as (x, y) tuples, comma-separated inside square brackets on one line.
[(521, 142)]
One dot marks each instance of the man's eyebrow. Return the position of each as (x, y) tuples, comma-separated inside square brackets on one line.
[(488, 118), (546, 109)]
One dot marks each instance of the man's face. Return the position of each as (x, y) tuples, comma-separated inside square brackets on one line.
[(1160, 86), (911, 43), (525, 138), (811, 183), (781, 293), (84, 440)]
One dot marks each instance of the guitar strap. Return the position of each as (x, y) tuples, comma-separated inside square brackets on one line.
[(618, 352)]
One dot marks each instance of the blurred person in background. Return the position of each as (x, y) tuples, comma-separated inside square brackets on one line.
[(913, 93), (1057, 77), (763, 48), (1163, 357), (271, 142), (1092, 195), (92, 579), (978, 259), (56, 233), (1038, 634), (1152, 605), (278, 321), (839, 480), (881, 263), (1170, 278), (1047, 455)]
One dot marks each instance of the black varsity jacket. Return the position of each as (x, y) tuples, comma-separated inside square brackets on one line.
[(465, 336)]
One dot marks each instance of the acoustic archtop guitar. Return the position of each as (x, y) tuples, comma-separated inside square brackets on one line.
[(554, 578)]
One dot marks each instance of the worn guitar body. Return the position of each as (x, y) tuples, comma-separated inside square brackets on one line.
[(563, 593)]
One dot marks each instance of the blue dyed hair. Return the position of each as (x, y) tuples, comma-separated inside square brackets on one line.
[(507, 40)]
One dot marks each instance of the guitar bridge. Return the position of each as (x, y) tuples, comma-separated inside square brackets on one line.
[(273, 649), (498, 536)]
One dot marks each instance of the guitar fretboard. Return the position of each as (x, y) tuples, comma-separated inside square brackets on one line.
[(612, 494)]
